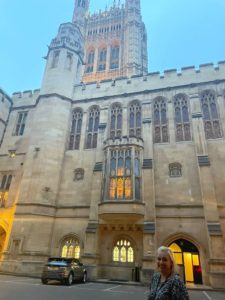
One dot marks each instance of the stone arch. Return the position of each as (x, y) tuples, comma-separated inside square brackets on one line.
[(191, 260)]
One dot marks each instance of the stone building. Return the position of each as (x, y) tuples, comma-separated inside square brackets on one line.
[(110, 167)]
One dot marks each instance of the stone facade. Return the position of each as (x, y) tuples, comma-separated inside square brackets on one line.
[(112, 169)]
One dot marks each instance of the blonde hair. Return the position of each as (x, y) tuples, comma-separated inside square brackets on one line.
[(170, 254)]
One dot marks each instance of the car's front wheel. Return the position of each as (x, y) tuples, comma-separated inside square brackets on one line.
[(69, 279)]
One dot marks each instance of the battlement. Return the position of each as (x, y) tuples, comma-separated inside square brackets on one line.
[(169, 78), (28, 97)]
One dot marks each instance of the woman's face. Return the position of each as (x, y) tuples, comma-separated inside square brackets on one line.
[(164, 263)]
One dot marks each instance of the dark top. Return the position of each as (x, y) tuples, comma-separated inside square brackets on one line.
[(172, 289)]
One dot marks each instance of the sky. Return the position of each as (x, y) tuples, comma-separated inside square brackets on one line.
[(180, 33)]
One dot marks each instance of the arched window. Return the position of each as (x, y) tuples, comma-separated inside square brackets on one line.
[(4, 190), (175, 170), (69, 61), (124, 182), (210, 115), (70, 248), (102, 59), (55, 59), (160, 121), (75, 132), (116, 121), (123, 252), (135, 119), (90, 62), (182, 122), (114, 57), (92, 129)]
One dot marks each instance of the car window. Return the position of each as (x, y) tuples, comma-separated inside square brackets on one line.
[(58, 263)]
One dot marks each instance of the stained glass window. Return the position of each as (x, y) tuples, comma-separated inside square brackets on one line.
[(4, 191), (210, 115), (70, 248), (160, 121), (75, 132), (182, 123)]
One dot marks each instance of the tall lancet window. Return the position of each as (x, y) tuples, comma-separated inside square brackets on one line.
[(102, 59), (135, 119), (160, 121), (210, 115), (182, 123), (55, 59), (92, 129), (75, 132), (116, 121), (90, 62), (114, 57), (123, 174)]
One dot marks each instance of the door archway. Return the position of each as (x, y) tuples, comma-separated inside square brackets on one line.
[(187, 258), (2, 240)]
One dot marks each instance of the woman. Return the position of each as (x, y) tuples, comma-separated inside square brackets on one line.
[(165, 284)]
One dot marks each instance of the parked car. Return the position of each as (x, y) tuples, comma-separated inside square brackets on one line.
[(65, 270)]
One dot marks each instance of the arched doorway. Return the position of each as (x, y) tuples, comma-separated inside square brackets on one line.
[(187, 258), (2, 240)]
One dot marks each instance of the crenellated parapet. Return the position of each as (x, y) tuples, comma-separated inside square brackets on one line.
[(189, 76)]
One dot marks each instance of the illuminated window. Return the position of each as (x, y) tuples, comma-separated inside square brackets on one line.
[(123, 252), (75, 132), (92, 130), (182, 122), (4, 190), (135, 119), (116, 121), (70, 248), (210, 115), (160, 121), (20, 124), (124, 181)]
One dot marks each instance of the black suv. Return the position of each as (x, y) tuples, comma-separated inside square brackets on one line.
[(66, 270)]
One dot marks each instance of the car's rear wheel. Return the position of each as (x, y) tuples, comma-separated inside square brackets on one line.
[(69, 279), (84, 279), (44, 281)]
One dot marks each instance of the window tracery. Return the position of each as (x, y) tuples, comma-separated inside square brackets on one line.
[(114, 57), (135, 119), (90, 62), (102, 59), (116, 121), (4, 190), (210, 115), (92, 129), (70, 248), (160, 121), (182, 122), (123, 252), (175, 170), (75, 132)]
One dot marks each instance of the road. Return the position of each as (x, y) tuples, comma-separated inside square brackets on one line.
[(22, 288)]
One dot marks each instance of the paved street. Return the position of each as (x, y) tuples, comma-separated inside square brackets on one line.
[(18, 288)]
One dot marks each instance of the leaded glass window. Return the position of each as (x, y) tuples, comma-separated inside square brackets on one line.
[(75, 132), (70, 248), (116, 121), (92, 129), (182, 123), (135, 119), (175, 170), (124, 181), (123, 252), (21, 122), (210, 115), (160, 121)]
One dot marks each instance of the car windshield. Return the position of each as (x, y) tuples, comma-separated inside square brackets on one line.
[(58, 262)]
